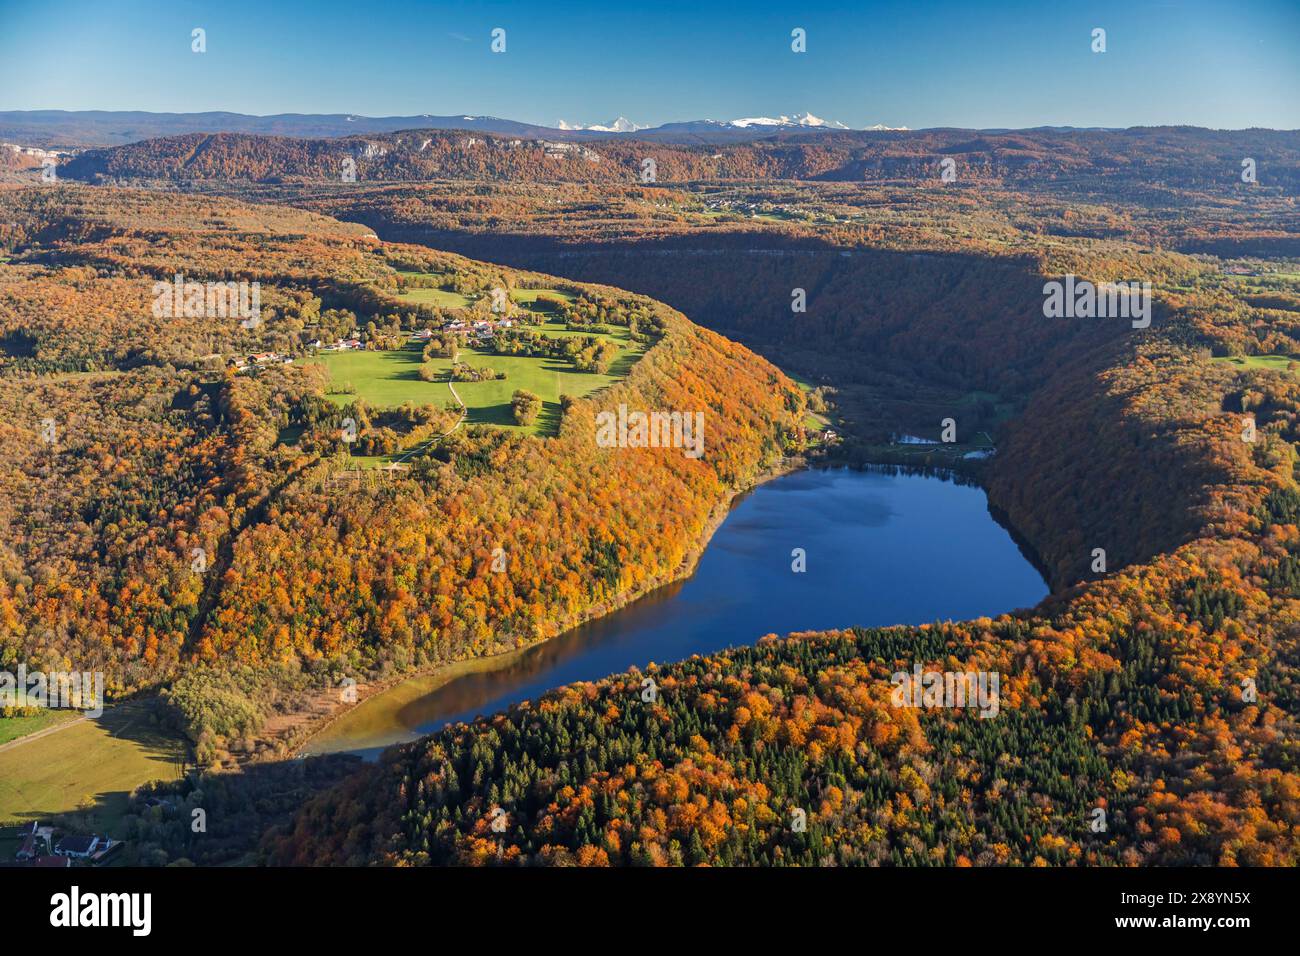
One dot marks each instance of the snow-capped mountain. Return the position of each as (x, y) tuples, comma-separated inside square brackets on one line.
[(799, 119), (107, 128), (620, 125), (755, 123)]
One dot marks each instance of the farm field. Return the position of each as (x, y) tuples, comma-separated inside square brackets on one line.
[(439, 297), (447, 299), (386, 379), (93, 761), (529, 296), (11, 728)]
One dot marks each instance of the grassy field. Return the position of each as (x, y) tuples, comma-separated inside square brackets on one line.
[(386, 379), (11, 728), (96, 762), (456, 300), (529, 296), (1278, 363), (439, 297)]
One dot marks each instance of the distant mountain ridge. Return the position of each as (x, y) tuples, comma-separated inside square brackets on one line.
[(764, 123), (88, 128), (1162, 157)]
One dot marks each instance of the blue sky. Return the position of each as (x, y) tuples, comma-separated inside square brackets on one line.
[(919, 63)]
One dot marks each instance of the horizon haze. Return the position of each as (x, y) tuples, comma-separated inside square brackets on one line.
[(930, 65)]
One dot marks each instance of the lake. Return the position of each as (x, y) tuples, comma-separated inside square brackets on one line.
[(878, 548)]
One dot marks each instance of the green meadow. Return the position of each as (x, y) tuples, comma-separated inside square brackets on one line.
[(388, 379), (91, 763), (439, 297), (447, 299), (528, 297), (1277, 363), (11, 728)]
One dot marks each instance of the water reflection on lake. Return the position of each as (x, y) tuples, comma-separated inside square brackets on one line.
[(881, 548)]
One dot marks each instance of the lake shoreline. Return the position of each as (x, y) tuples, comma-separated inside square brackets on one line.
[(368, 734), (287, 736), (454, 669), (296, 732)]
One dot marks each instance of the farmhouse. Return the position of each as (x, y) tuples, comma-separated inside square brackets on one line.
[(78, 847)]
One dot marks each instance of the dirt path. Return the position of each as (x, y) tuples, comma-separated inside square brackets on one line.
[(62, 725)]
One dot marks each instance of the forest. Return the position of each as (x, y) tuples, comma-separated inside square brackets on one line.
[(1162, 693), (1119, 158), (178, 514), (1132, 687), (1158, 687)]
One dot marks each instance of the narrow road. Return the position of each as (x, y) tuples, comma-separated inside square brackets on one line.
[(27, 738)]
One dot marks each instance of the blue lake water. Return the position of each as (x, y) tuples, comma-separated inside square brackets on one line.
[(879, 548)]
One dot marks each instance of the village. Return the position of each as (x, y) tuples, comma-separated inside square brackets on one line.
[(478, 332)]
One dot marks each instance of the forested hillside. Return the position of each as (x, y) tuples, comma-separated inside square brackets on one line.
[(1163, 695), (167, 503), (925, 302), (1151, 475), (1157, 685), (1190, 156)]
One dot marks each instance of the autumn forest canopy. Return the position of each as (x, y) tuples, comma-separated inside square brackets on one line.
[(392, 468)]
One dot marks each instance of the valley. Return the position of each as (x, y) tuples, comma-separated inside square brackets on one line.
[(445, 444), (852, 524), (453, 582)]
